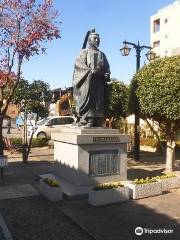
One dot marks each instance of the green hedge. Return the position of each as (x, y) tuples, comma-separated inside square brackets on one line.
[(16, 141), (39, 142), (36, 142), (151, 142), (178, 144)]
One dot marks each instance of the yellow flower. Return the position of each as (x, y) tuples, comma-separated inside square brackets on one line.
[(51, 182)]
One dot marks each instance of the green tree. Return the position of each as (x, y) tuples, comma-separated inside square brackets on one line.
[(118, 104), (40, 93), (21, 93), (158, 93), (31, 97)]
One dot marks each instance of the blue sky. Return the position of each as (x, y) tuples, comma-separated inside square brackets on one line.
[(114, 20)]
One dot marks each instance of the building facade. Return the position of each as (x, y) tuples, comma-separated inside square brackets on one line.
[(12, 110), (165, 30)]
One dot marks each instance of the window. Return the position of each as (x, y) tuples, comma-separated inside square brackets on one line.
[(156, 44), (58, 121), (156, 25), (50, 122), (43, 121), (69, 120), (165, 20)]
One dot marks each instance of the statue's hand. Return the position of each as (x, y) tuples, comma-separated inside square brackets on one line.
[(94, 71), (107, 77)]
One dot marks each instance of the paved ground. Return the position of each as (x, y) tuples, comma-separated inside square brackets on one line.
[(17, 191), (13, 132), (118, 221), (35, 218)]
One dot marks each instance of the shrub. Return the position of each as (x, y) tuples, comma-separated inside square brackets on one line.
[(153, 179), (36, 142), (51, 182), (145, 180), (149, 142), (16, 141), (178, 144), (170, 175), (105, 186), (39, 142)]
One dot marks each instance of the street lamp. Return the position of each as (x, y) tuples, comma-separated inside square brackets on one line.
[(150, 56)]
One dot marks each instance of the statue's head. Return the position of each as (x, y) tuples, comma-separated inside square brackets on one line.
[(94, 39)]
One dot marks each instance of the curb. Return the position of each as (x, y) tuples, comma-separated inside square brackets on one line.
[(5, 229)]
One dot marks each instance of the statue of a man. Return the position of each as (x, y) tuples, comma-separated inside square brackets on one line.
[(91, 74)]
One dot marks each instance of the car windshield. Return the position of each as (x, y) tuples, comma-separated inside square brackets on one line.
[(43, 121)]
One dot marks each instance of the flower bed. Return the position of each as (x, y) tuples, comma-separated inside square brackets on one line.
[(144, 188), (51, 189), (169, 181), (108, 193)]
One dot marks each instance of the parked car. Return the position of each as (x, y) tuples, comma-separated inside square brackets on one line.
[(31, 122), (44, 127)]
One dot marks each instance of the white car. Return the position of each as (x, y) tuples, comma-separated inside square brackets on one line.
[(44, 127)]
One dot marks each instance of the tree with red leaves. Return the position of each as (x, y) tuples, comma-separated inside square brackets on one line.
[(25, 26)]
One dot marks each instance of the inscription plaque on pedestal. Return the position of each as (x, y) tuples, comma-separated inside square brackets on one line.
[(104, 163), (105, 139)]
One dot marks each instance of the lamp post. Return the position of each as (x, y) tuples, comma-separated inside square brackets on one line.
[(150, 56)]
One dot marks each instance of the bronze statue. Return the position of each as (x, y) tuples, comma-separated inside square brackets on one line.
[(90, 78)]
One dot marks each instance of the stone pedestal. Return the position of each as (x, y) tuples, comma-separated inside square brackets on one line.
[(85, 157)]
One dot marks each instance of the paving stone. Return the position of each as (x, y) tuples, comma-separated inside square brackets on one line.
[(16, 191)]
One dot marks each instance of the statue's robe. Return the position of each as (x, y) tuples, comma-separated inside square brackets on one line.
[(90, 89)]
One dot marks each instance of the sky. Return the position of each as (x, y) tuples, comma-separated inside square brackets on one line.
[(114, 20)]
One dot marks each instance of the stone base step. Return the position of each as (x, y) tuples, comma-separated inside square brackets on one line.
[(69, 189)]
